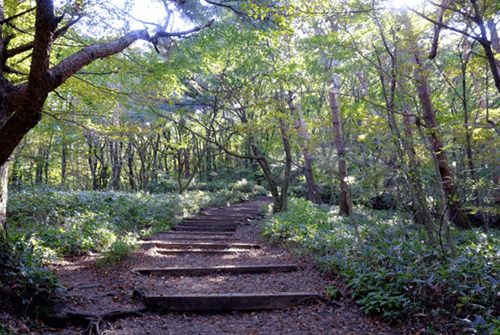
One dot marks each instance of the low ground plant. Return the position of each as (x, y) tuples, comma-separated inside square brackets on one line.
[(71, 223), (392, 272), (46, 224), (119, 251), (26, 286)]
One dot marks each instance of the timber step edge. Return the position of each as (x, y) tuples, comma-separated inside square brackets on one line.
[(174, 245), (203, 229), (201, 238), (197, 233), (226, 302), (209, 224), (199, 252), (253, 269), (216, 219)]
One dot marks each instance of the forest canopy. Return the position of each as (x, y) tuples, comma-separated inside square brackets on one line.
[(351, 104)]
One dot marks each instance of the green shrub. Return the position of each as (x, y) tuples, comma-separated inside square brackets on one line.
[(26, 286), (390, 271), (121, 249), (46, 223), (68, 223)]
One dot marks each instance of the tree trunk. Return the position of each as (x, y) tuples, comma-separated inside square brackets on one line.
[(116, 159), (420, 206), (313, 191), (468, 133), (156, 163), (429, 114), (288, 166), (22, 104), (271, 181), (345, 196), (92, 160), (4, 194), (4, 175), (64, 163), (40, 161), (187, 167), (130, 164)]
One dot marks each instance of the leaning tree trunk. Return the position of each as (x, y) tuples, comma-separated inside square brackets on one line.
[(333, 93), (429, 114), (333, 99), (313, 192), (271, 181)]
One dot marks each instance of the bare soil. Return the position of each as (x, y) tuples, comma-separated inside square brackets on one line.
[(105, 303)]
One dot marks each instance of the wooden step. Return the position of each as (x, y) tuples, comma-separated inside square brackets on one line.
[(198, 233), (209, 224), (174, 245), (239, 210), (204, 229), (226, 302), (210, 227), (199, 252), (254, 269), (202, 238), (216, 219), (226, 215)]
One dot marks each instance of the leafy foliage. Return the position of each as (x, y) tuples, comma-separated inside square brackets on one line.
[(121, 249), (70, 223), (25, 285), (46, 224), (390, 272)]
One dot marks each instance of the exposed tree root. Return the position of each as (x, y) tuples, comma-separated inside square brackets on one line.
[(93, 321)]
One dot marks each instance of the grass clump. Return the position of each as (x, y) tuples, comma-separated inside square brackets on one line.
[(391, 272), (119, 251)]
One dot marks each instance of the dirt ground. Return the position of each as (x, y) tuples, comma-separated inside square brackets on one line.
[(106, 303)]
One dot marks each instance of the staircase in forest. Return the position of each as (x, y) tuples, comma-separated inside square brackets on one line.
[(210, 275), (213, 239)]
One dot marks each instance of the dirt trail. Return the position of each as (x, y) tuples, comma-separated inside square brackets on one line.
[(211, 275)]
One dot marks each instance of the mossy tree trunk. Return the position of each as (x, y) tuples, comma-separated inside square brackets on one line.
[(4, 180)]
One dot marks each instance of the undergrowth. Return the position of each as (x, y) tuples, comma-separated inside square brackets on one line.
[(46, 224), (392, 272)]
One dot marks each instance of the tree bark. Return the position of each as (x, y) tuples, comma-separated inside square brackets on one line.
[(22, 104), (4, 166), (429, 114), (64, 161), (92, 160), (4, 193), (313, 192), (116, 159), (130, 164), (271, 181), (288, 165), (345, 196)]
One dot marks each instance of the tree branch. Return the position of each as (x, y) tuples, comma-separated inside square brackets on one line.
[(442, 25), (218, 4), (7, 20), (58, 74), (29, 46), (179, 34)]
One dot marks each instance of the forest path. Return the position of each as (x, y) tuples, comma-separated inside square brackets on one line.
[(211, 275)]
